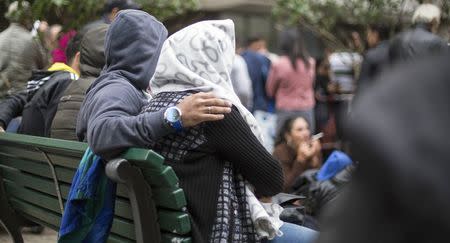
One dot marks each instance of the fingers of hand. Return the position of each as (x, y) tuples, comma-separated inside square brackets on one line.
[(216, 102), (210, 117), (216, 110)]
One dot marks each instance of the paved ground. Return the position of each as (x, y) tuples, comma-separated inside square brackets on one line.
[(48, 236)]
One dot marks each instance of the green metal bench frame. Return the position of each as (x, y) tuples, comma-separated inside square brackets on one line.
[(153, 204)]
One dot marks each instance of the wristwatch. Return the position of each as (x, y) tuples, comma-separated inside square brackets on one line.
[(172, 116)]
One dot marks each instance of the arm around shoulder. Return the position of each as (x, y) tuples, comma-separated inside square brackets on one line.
[(112, 121)]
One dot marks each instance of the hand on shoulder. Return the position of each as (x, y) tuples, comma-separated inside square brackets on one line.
[(201, 107)]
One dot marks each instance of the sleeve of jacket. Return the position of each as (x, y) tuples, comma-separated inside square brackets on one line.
[(234, 141), (113, 121), (12, 107)]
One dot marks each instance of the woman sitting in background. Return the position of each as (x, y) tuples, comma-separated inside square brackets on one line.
[(213, 160), (291, 81), (296, 151)]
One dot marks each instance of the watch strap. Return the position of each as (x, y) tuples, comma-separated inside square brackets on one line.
[(178, 126)]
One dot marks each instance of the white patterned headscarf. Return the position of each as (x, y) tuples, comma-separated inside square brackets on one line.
[(200, 57)]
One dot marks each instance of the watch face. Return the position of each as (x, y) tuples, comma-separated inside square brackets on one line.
[(173, 115)]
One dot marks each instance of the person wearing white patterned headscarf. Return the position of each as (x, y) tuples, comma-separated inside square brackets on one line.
[(214, 159)]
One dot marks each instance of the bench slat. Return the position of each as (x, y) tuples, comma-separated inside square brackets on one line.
[(46, 205), (122, 207), (123, 228), (171, 221), (143, 158), (41, 184), (65, 171), (38, 168), (53, 220), (47, 214), (171, 198), (43, 142), (174, 222), (37, 198), (112, 238), (164, 178), (27, 154), (35, 211)]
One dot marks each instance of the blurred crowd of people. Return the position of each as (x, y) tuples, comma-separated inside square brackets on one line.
[(292, 104)]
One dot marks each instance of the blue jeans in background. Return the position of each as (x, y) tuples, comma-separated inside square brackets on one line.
[(267, 123), (293, 233)]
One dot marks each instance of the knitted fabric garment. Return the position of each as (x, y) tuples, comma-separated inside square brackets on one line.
[(214, 193)]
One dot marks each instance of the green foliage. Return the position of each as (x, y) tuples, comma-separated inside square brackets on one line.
[(164, 9), (324, 16), (326, 13), (76, 13), (71, 14)]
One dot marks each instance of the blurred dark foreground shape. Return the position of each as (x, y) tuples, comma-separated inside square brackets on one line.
[(399, 132)]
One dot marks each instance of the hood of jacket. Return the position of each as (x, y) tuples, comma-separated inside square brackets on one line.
[(92, 51), (132, 47)]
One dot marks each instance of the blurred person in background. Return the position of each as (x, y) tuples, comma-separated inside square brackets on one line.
[(399, 135), (110, 11), (260, 45), (20, 51), (59, 53), (38, 102), (51, 38), (258, 67), (291, 81), (420, 41), (263, 107), (112, 8), (296, 151), (92, 60), (377, 56), (242, 84), (321, 111)]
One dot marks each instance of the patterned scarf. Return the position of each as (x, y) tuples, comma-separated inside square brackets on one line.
[(200, 57)]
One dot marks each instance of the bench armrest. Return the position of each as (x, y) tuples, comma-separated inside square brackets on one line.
[(140, 194)]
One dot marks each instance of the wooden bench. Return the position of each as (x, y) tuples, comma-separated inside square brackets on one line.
[(35, 178)]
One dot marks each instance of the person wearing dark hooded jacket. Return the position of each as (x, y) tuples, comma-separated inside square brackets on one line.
[(92, 60), (109, 117), (399, 135)]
